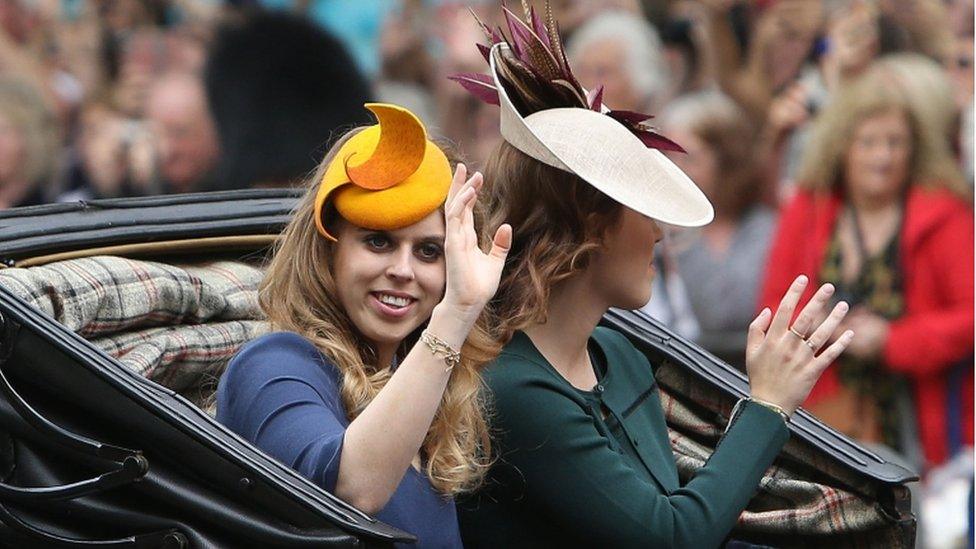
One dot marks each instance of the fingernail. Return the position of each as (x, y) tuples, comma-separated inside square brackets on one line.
[(843, 306), (802, 279), (766, 311), (828, 289)]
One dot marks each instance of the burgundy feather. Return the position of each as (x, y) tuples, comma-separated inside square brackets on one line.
[(657, 141), (537, 75), (494, 37), (480, 85), (595, 98), (540, 29), (629, 118), (485, 52)]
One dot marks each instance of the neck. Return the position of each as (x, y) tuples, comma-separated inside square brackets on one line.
[(384, 356), (873, 204), (574, 311)]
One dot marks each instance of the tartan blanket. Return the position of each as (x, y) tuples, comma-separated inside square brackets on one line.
[(805, 499), (176, 325)]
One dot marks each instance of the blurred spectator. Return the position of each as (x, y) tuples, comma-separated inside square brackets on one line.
[(883, 214), (925, 24), (462, 118), (927, 88), (960, 67), (183, 127), (28, 141), (669, 301), (106, 164), (279, 89), (687, 48), (721, 262), (407, 69), (622, 52), (143, 56), (783, 37), (848, 42)]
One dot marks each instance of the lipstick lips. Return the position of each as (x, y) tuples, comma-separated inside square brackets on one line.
[(391, 311)]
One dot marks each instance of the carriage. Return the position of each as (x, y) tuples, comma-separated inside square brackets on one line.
[(118, 316)]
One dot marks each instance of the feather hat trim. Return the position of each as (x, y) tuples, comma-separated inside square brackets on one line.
[(547, 115)]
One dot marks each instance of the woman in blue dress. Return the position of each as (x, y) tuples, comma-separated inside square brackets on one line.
[(369, 385)]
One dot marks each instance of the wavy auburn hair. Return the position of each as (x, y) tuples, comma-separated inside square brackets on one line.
[(299, 294), (558, 221)]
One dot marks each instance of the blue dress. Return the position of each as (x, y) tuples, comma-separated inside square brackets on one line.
[(281, 394)]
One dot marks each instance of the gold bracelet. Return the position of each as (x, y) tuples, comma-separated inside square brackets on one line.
[(438, 346), (776, 408)]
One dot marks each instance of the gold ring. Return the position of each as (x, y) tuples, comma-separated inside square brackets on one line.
[(798, 334), (809, 344)]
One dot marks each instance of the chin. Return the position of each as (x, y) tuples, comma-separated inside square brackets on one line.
[(633, 302)]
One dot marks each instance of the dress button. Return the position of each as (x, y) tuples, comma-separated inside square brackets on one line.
[(599, 388)]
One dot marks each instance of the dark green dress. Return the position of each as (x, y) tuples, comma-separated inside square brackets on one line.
[(595, 468)]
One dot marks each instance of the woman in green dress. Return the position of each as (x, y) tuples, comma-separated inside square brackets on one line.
[(583, 457)]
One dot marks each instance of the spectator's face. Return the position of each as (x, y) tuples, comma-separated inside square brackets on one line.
[(623, 269), (878, 159), (388, 282), (102, 149), (12, 151), (961, 70), (700, 161), (603, 63), (185, 134), (142, 59)]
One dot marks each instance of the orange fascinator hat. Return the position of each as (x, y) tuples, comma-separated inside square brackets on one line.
[(387, 176)]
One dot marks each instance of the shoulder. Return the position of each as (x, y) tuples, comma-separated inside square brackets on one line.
[(939, 201), (629, 365), (278, 354), (520, 381), (611, 340), (513, 368), (931, 211)]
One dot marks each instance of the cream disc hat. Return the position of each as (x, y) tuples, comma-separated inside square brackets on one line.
[(590, 143), (607, 155)]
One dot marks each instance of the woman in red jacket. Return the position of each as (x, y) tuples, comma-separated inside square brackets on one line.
[(883, 214)]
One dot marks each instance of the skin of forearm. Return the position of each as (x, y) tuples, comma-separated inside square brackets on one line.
[(382, 441)]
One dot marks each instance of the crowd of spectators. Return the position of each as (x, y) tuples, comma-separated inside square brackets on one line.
[(834, 137)]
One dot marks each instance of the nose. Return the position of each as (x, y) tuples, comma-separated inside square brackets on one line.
[(401, 265), (658, 231)]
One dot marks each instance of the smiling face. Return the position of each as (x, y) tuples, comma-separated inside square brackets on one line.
[(878, 159), (624, 268), (388, 282)]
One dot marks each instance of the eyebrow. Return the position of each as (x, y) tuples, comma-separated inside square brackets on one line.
[(436, 238)]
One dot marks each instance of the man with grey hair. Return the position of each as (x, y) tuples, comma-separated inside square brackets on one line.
[(180, 119), (623, 52)]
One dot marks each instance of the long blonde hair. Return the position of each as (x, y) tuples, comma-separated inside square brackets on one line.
[(875, 93), (298, 294)]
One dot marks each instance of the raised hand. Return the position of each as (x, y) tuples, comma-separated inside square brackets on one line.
[(785, 360), (472, 275)]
